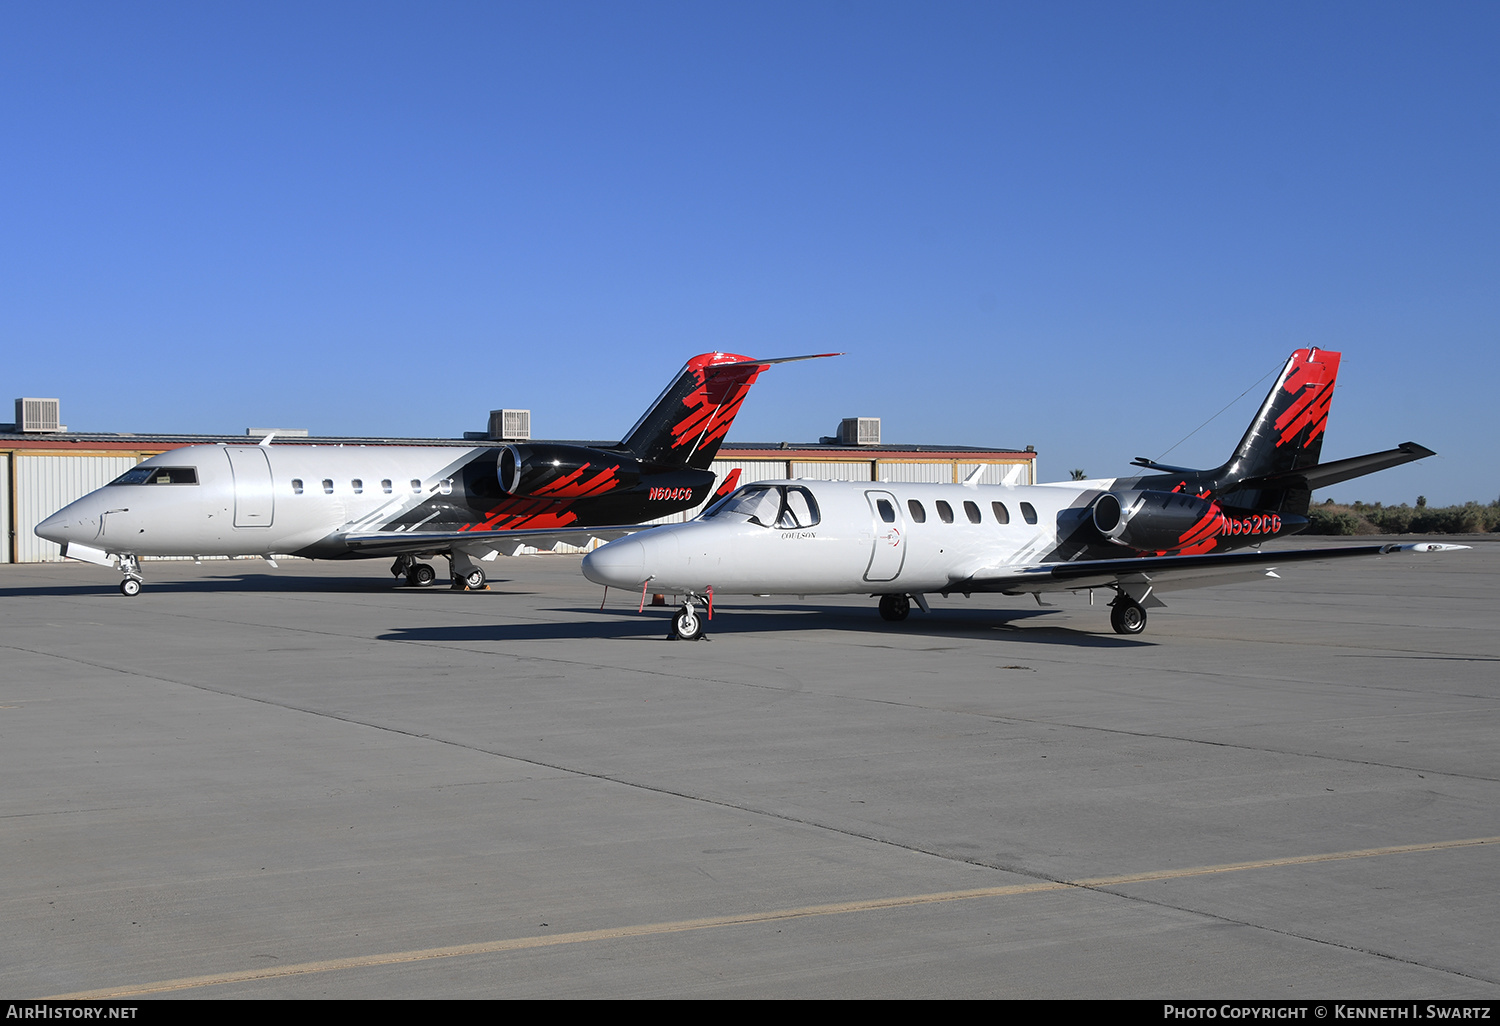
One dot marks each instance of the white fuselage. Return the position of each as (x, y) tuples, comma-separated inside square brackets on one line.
[(852, 548), (255, 500)]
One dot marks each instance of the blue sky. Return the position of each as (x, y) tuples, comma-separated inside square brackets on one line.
[(1084, 227)]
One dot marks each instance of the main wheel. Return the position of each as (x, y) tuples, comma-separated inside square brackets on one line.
[(1126, 617), (688, 624), (474, 580), (420, 575), (130, 586), (894, 607)]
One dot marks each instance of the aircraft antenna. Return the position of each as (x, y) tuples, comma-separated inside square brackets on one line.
[(1216, 416)]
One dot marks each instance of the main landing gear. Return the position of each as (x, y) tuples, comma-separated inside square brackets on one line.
[(466, 574), (471, 581), (687, 623), (894, 607), (1126, 615), (418, 575), (131, 568)]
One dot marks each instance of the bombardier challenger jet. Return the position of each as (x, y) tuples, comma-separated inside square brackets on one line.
[(411, 502), (1134, 536)]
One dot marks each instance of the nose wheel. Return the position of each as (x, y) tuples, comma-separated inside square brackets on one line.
[(687, 623), (130, 566)]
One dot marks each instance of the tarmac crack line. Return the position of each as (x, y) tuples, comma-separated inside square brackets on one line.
[(1098, 884)]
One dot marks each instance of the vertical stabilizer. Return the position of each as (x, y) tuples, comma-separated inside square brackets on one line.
[(1287, 433), (688, 421)]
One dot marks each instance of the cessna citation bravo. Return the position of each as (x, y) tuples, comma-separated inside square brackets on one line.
[(1134, 536), (413, 502)]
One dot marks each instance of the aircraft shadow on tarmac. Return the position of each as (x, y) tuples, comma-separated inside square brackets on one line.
[(249, 582), (653, 624)]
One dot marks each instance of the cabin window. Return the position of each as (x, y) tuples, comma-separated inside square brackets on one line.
[(945, 512), (971, 511), (328, 486), (1028, 511), (385, 485), (296, 486), (158, 476), (918, 514), (416, 487), (887, 511), (784, 506), (1002, 515), (358, 486), (445, 486)]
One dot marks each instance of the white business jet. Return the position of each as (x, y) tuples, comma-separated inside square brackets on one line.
[(1134, 537), (410, 501)]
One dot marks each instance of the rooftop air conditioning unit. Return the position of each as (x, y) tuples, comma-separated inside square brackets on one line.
[(510, 425), (859, 431), (38, 415)]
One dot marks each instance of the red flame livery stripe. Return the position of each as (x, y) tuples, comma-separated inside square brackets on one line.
[(730, 482), (1313, 376), (569, 486), (514, 514), (713, 405)]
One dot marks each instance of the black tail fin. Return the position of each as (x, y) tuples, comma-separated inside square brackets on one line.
[(688, 421), (1287, 433), (1275, 467), (1285, 436)]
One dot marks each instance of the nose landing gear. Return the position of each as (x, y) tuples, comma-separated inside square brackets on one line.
[(131, 568), (687, 624)]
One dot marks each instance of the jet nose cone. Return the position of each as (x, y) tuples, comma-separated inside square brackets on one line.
[(620, 564), (55, 527)]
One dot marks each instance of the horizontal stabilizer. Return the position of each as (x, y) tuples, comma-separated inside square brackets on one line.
[(1322, 475), (1141, 461)]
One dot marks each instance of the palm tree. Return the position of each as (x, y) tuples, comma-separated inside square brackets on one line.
[(1078, 475)]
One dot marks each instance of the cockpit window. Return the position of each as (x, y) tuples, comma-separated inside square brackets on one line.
[(158, 475), (784, 506)]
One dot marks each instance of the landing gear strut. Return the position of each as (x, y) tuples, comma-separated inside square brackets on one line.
[(131, 568), (894, 607), (1126, 615)]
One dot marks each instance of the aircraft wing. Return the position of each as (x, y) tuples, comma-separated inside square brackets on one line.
[(1163, 572), (395, 543)]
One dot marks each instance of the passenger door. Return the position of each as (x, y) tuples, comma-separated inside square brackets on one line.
[(889, 549), (254, 498)]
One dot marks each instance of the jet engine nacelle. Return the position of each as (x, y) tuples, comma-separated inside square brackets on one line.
[(546, 471), (1154, 521)]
